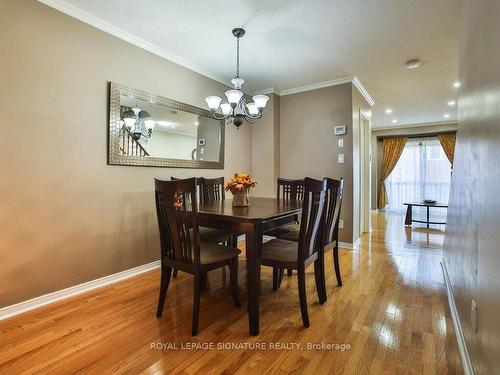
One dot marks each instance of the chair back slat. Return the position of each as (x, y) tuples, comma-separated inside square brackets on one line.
[(290, 189), (213, 189), (312, 217), (334, 194), (199, 187), (176, 208)]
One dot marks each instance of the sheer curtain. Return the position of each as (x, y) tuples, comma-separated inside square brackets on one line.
[(422, 172)]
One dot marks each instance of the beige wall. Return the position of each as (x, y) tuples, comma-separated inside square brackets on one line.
[(265, 149), (66, 216), (377, 150), (471, 244), (308, 146)]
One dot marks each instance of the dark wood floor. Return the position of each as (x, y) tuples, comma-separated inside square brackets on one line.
[(392, 311)]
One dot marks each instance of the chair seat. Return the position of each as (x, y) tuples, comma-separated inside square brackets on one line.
[(288, 232), (213, 235), (279, 251), (213, 253)]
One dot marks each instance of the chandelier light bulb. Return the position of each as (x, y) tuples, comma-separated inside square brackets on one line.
[(260, 101), (226, 108), (213, 102), (129, 122), (233, 97), (150, 125), (252, 109)]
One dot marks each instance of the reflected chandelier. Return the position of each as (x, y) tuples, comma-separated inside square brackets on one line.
[(236, 109)]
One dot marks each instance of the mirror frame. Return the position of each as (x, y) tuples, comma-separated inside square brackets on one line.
[(114, 128)]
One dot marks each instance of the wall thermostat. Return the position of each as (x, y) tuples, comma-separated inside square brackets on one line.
[(340, 130), (201, 142)]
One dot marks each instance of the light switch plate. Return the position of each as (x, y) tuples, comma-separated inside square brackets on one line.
[(340, 142), (340, 158)]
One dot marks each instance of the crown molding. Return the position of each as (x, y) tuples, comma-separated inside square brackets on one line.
[(417, 125), (356, 82), (319, 85), (270, 90), (315, 86), (116, 31)]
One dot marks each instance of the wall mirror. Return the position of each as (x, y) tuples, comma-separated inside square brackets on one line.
[(153, 131)]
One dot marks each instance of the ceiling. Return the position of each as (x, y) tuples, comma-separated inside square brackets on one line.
[(293, 43)]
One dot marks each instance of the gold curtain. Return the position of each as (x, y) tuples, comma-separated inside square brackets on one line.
[(448, 143), (393, 148)]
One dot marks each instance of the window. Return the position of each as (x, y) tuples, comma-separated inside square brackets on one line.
[(422, 172)]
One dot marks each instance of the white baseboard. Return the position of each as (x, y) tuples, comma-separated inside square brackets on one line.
[(19, 308), (350, 246), (459, 333)]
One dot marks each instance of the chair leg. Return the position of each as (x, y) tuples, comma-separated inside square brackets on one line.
[(281, 273), (196, 304), (233, 280), (336, 264), (234, 240), (318, 280), (289, 272), (166, 272), (276, 271), (302, 295), (175, 273), (204, 281)]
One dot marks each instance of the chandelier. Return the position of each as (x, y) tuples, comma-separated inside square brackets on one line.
[(135, 119), (236, 109)]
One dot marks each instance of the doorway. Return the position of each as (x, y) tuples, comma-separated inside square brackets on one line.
[(365, 173)]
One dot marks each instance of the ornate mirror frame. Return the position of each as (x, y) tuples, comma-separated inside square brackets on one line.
[(115, 126)]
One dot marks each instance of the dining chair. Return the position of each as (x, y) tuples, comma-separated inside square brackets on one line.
[(206, 234), (287, 189), (280, 254), (330, 233), (213, 191), (181, 248)]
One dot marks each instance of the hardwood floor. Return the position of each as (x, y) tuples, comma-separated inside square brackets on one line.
[(392, 312)]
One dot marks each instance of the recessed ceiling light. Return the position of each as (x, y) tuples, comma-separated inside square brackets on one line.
[(413, 64), (456, 84), (451, 103), (446, 115), (388, 110), (394, 121)]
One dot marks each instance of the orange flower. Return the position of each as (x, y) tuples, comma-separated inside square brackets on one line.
[(239, 182)]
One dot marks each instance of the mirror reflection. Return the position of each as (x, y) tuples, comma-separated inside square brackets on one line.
[(155, 130)]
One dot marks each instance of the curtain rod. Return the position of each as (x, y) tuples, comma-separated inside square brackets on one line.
[(421, 135)]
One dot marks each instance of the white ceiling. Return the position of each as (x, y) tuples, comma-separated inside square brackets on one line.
[(292, 43)]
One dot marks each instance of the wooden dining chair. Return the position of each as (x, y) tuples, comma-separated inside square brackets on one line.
[(281, 254), (287, 189), (181, 248), (207, 234), (330, 233), (213, 191)]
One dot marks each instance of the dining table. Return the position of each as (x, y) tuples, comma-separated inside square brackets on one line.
[(261, 215)]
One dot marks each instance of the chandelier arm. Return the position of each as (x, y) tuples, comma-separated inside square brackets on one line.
[(222, 117), (251, 116)]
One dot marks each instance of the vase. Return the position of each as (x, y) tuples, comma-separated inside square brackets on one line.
[(240, 198)]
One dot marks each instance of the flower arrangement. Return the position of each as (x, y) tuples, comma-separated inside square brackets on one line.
[(239, 186)]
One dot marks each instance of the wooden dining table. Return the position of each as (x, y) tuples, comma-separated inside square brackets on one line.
[(263, 214)]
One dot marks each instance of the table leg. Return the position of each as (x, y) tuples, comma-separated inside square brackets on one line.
[(408, 215), (253, 239), (428, 219)]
